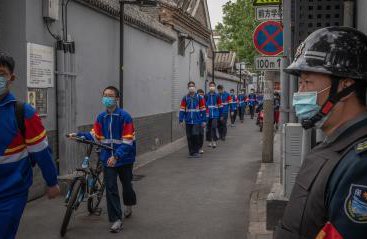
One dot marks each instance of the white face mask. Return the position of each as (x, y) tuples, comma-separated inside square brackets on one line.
[(192, 89), (212, 88)]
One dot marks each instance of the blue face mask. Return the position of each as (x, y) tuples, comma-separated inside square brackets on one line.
[(3, 85), (108, 101), (305, 104)]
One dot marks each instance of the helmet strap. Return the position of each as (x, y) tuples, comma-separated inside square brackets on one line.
[(334, 98)]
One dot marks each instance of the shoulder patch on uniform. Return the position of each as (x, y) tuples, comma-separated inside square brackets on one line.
[(355, 206), (361, 147)]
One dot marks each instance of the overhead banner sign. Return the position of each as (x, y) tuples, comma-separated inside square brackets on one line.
[(266, 13), (268, 38), (267, 2), (266, 63)]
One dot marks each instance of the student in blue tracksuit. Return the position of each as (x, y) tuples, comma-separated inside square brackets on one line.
[(242, 105), (233, 107), (214, 113), (115, 127), (252, 102), (21, 145), (202, 129), (193, 113), (226, 101)]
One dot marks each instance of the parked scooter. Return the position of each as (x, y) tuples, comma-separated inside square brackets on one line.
[(260, 119)]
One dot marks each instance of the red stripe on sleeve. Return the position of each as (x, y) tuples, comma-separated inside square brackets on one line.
[(34, 127), (128, 130), (98, 130)]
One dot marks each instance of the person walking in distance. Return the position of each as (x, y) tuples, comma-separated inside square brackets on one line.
[(242, 105), (226, 101), (251, 102), (233, 107), (193, 113), (202, 129), (214, 113)]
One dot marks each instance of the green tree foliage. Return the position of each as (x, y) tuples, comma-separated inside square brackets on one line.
[(239, 23)]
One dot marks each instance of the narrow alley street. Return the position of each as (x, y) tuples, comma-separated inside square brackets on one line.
[(177, 197)]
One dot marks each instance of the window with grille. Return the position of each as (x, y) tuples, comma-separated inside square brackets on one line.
[(181, 46), (316, 14)]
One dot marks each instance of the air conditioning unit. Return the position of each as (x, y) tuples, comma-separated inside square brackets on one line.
[(296, 143), (50, 10)]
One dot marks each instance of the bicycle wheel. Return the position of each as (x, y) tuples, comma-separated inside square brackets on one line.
[(70, 207), (97, 193)]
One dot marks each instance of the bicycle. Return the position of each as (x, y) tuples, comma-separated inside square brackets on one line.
[(86, 183)]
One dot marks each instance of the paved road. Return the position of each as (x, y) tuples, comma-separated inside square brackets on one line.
[(177, 197)]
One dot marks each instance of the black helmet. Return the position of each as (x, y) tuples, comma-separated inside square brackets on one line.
[(337, 51)]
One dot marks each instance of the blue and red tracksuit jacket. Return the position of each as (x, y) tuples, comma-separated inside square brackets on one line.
[(117, 130), (242, 100), (193, 109), (17, 151), (252, 99), (234, 103), (226, 101), (214, 106)]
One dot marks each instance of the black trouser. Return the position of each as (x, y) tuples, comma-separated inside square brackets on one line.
[(252, 111), (125, 173), (193, 138), (211, 130), (222, 126), (201, 138), (241, 112), (233, 116)]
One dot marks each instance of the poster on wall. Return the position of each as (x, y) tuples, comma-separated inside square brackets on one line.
[(37, 98), (40, 66)]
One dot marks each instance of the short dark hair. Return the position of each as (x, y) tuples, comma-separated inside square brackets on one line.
[(220, 87), (200, 91), (117, 92), (190, 83), (212, 83), (232, 90), (7, 61)]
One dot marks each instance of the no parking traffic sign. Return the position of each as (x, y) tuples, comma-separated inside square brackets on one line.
[(268, 38)]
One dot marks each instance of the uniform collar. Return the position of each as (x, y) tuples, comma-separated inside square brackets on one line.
[(114, 112), (7, 99), (347, 130)]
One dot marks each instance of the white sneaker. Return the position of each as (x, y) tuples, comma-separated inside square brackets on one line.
[(128, 211), (210, 145), (116, 226), (201, 151), (214, 144)]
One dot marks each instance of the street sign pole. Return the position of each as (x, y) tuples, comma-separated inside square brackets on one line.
[(268, 41)]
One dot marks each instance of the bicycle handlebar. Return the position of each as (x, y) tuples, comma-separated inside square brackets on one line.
[(90, 142)]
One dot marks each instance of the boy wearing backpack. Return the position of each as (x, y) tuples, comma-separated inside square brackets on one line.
[(22, 137)]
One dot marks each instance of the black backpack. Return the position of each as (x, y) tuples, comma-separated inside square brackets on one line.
[(19, 114)]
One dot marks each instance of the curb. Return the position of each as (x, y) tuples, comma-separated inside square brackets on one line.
[(268, 174)]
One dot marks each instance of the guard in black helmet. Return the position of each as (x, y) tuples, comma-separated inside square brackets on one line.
[(329, 198)]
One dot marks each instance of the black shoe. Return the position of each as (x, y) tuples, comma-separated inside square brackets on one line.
[(196, 155)]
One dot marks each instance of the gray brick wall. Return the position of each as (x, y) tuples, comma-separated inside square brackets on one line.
[(153, 131), (177, 130)]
